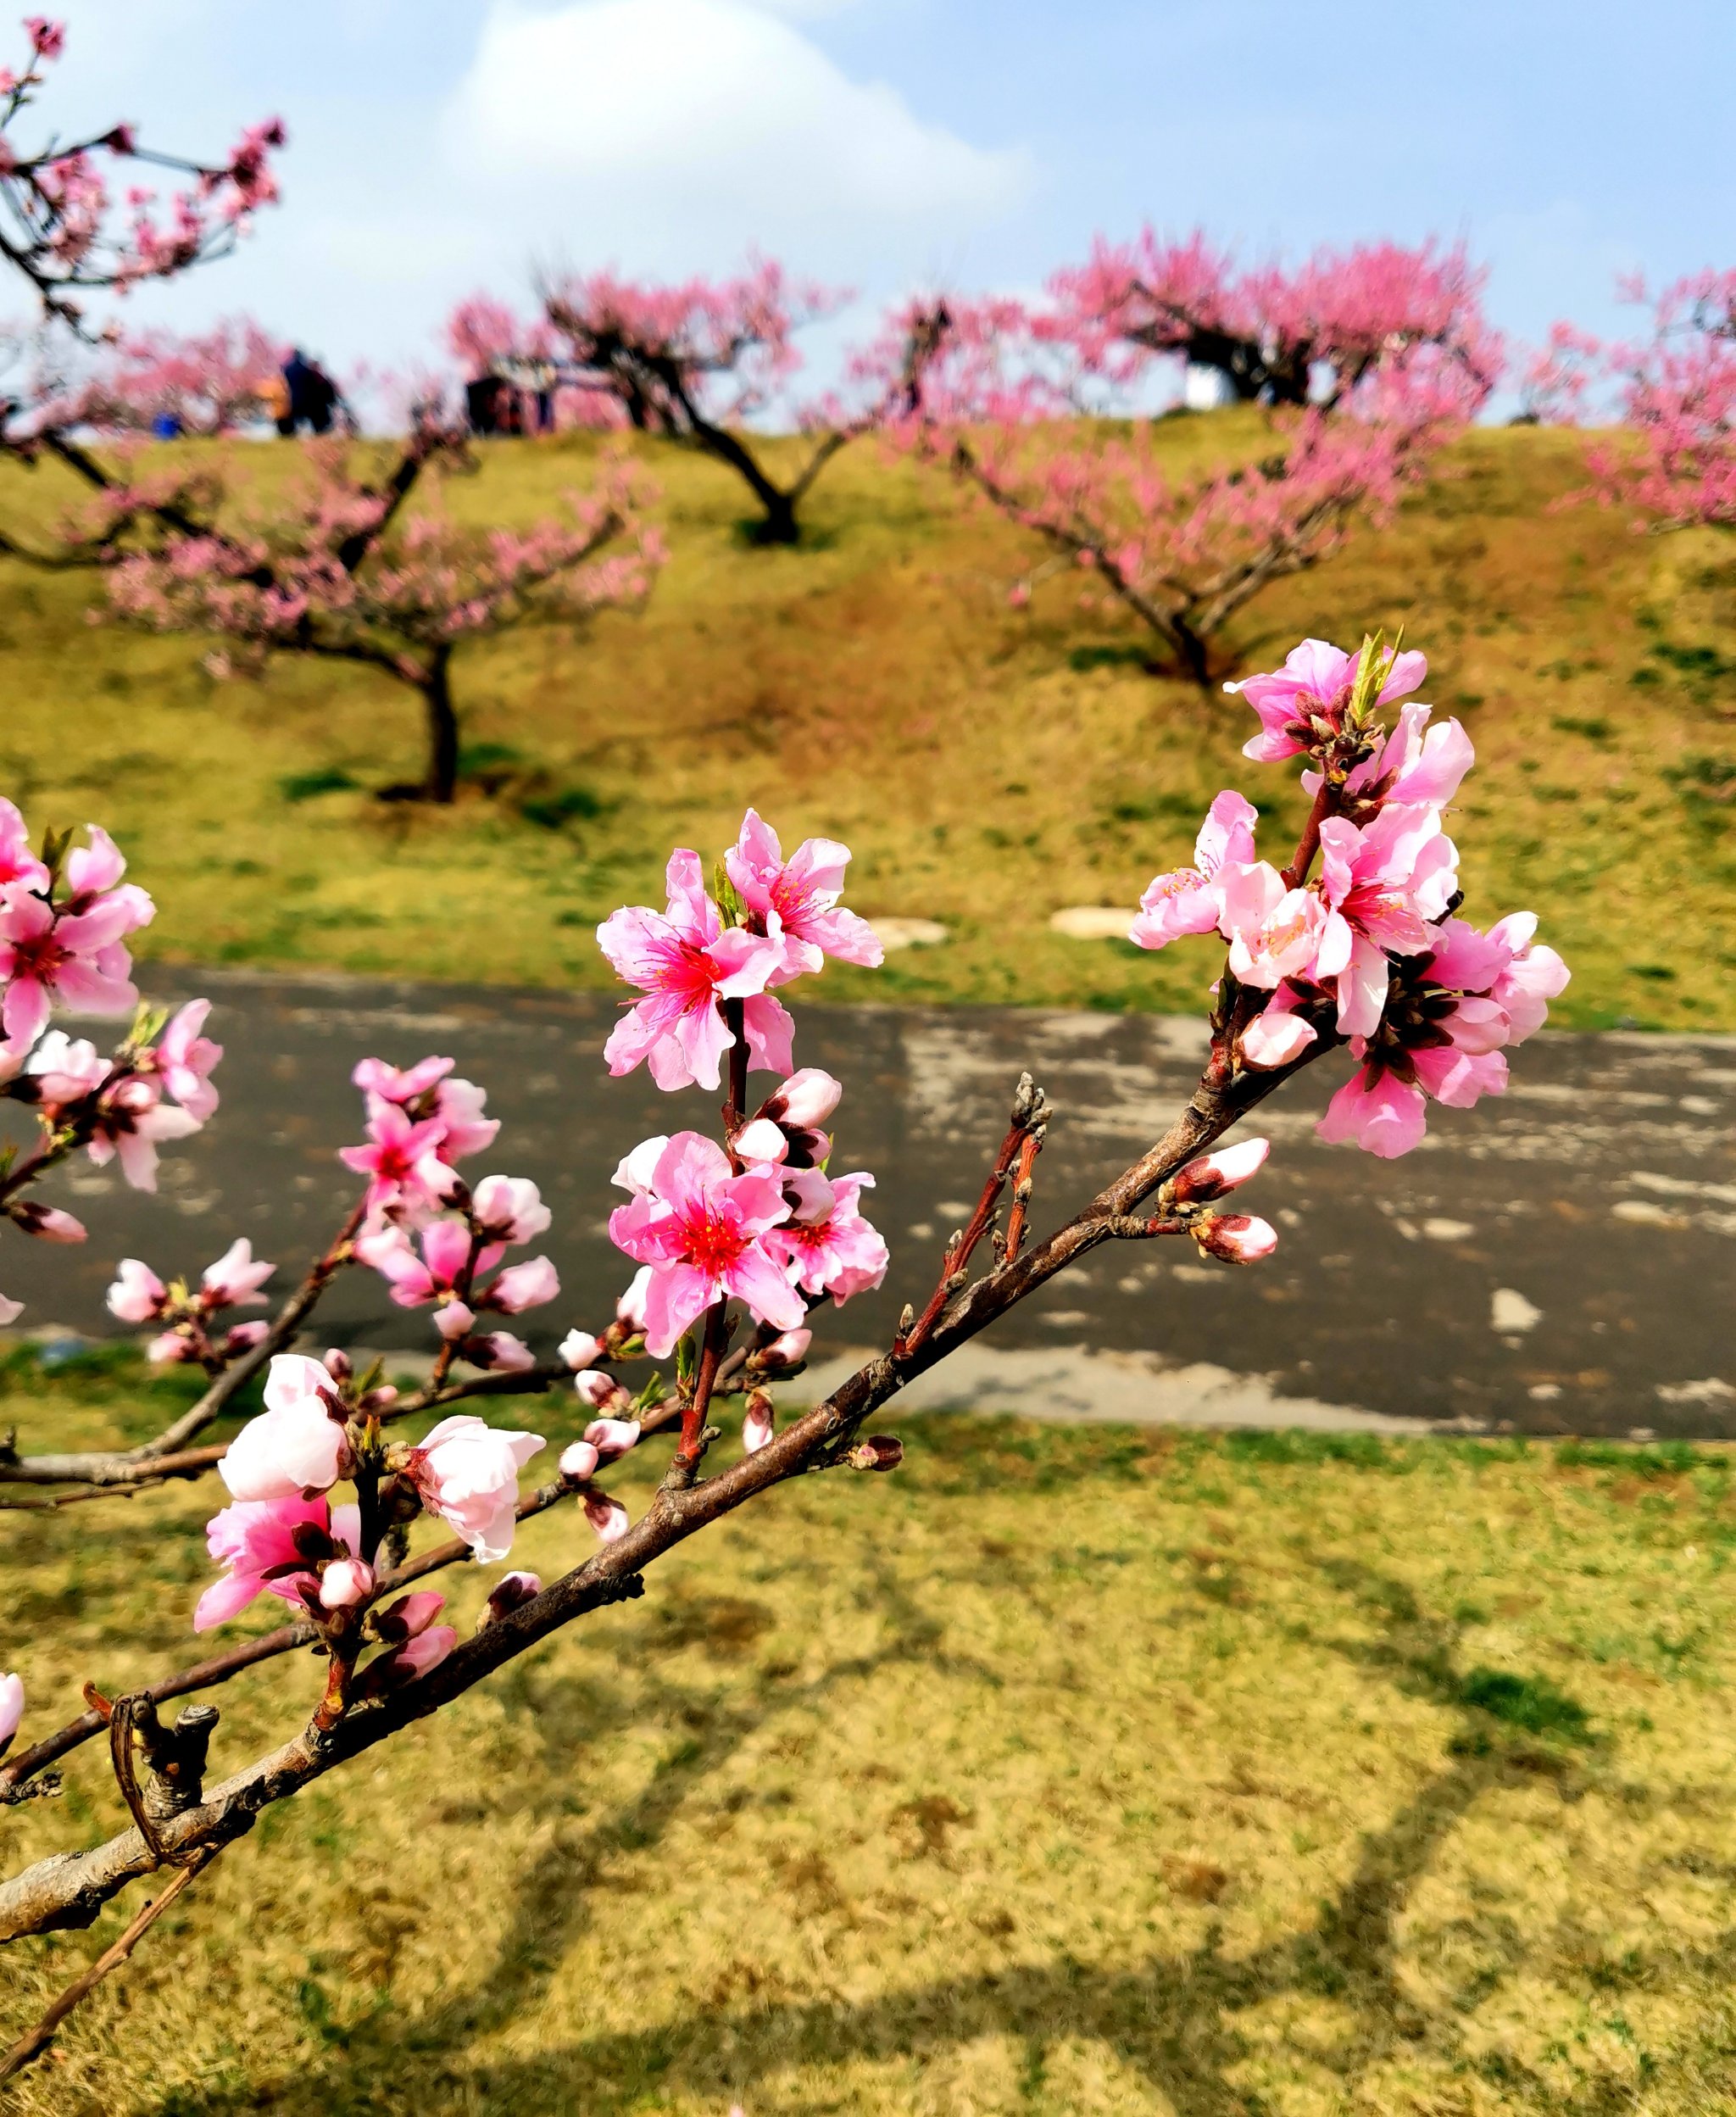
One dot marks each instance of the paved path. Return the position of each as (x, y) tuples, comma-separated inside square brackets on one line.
[(1562, 1260)]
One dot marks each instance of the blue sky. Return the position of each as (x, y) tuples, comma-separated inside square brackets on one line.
[(440, 145)]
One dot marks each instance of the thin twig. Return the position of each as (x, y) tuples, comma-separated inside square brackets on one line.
[(32, 2045)]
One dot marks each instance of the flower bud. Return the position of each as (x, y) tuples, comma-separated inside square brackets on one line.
[(11, 1710), (609, 1518), (381, 1398), (521, 1286), (757, 1422), (47, 1222), (509, 1593), (578, 1461), (807, 1099), (612, 1437), (244, 1337), (598, 1390), (410, 1616), (453, 1319), (579, 1348), (1221, 1171), (501, 1351), (172, 1345), (509, 1209), (785, 1351), (338, 1365), (879, 1451), (426, 1650), (760, 1141), (1238, 1237), (345, 1583)]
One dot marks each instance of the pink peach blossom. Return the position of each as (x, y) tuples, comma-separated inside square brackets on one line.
[(297, 1443), (254, 1541), (1274, 932), (138, 1295), (1314, 685), (798, 898), (402, 1085), (686, 962), (131, 1121), (76, 961), (184, 1059), (701, 1231), (235, 1279), (826, 1245), (1187, 899), (1531, 976), (64, 1071), (467, 1473), (401, 1161), (18, 864), (1385, 884)]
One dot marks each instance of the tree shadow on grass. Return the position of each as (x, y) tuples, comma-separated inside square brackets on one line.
[(1171, 2018)]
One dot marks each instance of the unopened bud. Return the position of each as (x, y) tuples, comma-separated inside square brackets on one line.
[(760, 1141), (630, 1309), (380, 1398), (338, 1365), (48, 1223), (579, 1460), (609, 1518), (879, 1451), (785, 1351), (612, 1437), (1240, 1238), (509, 1593), (345, 1583), (1220, 1171), (391, 1671), (579, 1348), (757, 1422), (808, 1098), (410, 1616)]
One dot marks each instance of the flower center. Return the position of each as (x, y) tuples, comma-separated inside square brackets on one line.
[(714, 1243)]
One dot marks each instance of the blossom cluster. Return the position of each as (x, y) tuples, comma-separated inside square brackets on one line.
[(1369, 950), (65, 918)]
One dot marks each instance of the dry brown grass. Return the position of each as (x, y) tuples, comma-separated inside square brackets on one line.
[(989, 766), (1064, 1771)]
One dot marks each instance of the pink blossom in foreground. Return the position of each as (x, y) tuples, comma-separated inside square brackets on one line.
[(131, 1123), (686, 962), (76, 961), (1187, 899), (254, 1541), (1531, 978), (467, 1473), (184, 1059), (137, 1294), (1440, 1035), (64, 1071), (826, 1245), (401, 1161), (445, 1247), (1303, 704), (1386, 883), (11, 1708), (235, 1279), (799, 899), (1274, 932), (297, 1443), (18, 863), (1412, 763), (701, 1230), (1223, 1170)]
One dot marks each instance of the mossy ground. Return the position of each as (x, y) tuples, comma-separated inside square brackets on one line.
[(988, 765), (1063, 1771)]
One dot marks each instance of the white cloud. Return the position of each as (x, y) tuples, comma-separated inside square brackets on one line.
[(692, 126)]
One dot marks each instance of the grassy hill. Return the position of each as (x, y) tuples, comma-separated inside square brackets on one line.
[(988, 765)]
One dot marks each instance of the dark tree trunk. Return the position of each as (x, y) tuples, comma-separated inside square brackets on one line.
[(1190, 650), (440, 783)]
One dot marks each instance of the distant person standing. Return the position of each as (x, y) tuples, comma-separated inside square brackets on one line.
[(273, 394), (314, 397)]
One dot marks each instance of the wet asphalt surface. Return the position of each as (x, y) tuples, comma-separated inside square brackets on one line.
[(1560, 1260)]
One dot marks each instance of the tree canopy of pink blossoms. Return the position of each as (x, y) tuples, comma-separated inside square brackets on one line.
[(1278, 336), (338, 565), (66, 232), (695, 362), (1011, 399), (208, 384)]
